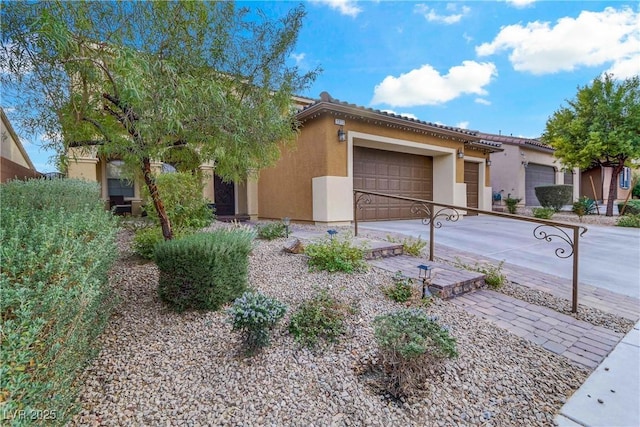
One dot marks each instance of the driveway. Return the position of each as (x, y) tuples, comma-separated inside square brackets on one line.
[(609, 257)]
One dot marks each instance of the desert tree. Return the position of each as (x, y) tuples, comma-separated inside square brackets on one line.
[(599, 127), (134, 80)]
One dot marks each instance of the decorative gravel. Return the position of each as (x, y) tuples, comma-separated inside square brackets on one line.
[(157, 367)]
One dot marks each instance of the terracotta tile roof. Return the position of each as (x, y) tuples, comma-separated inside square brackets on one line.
[(326, 99), (514, 140)]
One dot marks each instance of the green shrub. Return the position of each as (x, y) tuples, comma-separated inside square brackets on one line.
[(632, 208), (145, 241), (512, 204), (255, 315), (629, 221), (410, 246), (584, 206), (402, 288), (57, 244), (335, 255), (41, 194), (321, 317), (272, 230), (635, 191), (203, 271), (410, 342), (554, 196), (181, 193), (543, 213)]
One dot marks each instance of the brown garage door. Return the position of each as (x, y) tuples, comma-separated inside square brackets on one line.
[(394, 173), (535, 176), (471, 178)]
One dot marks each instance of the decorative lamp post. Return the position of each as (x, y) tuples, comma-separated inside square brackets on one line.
[(424, 273)]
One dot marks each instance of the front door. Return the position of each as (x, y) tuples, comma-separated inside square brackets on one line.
[(224, 197), (472, 178)]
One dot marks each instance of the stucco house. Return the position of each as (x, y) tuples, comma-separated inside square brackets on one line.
[(342, 147), (525, 164), (14, 160), (596, 181)]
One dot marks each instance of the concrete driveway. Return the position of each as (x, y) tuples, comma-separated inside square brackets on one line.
[(609, 257)]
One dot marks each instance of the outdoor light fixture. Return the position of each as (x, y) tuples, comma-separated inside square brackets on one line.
[(286, 221), (342, 136), (488, 162), (424, 274), (525, 163), (460, 154), (332, 233)]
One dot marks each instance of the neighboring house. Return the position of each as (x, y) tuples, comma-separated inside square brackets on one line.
[(342, 147), (14, 160), (524, 165), (595, 183)]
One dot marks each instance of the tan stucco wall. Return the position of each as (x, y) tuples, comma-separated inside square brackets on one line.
[(286, 190), (10, 146)]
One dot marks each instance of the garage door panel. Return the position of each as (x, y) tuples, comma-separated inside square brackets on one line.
[(402, 174), (535, 176)]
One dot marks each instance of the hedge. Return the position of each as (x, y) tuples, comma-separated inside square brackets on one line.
[(203, 271), (554, 196), (57, 245)]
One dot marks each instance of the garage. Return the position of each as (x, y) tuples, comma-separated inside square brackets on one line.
[(472, 178), (402, 174), (535, 176)]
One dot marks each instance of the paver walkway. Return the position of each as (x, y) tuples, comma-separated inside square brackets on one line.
[(581, 342)]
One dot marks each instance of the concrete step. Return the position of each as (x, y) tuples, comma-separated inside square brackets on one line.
[(375, 249), (446, 281)]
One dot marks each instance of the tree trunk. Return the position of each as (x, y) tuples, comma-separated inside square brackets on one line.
[(613, 188), (167, 232)]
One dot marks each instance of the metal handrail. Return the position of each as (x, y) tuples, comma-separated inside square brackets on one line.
[(436, 212)]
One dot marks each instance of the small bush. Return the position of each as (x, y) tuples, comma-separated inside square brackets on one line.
[(584, 206), (554, 196), (629, 221), (402, 288), (145, 241), (409, 343), (410, 246), (321, 317), (632, 208), (494, 278), (512, 204), (272, 230), (543, 213), (203, 271), (335, 255), (255, 315), (181, 193)]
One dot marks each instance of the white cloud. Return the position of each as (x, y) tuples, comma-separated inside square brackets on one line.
[(298, 58), (430, 14), (482, 101), (425, 86), (591, 39), (463, 125), (520, 3), (407, 115), (345, 7)]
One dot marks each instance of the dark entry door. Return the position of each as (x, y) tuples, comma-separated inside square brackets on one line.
[(472, 178), (224, 197)]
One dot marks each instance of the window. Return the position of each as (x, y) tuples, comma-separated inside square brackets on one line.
[(625, 178), (116, 184), (568, 178)]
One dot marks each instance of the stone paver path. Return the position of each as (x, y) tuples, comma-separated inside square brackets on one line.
[(581, 342)]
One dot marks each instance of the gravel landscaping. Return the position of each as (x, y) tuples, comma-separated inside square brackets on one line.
[(158, 367)]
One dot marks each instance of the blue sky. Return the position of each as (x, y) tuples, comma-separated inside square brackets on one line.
[(493, 66)]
